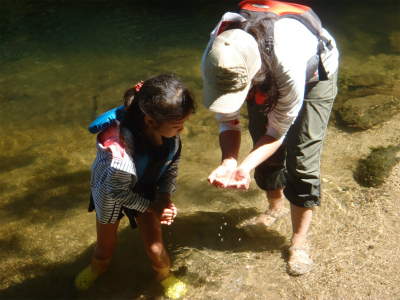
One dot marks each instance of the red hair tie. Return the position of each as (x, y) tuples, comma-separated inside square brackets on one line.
[(139, 85)]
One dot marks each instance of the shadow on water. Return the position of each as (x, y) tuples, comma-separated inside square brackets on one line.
[(9, 163), (129, 275), (51, 195)]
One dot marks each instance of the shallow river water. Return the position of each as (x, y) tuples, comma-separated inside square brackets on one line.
[(65, 62)]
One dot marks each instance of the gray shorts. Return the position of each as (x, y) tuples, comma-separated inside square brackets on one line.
[(296, 164)]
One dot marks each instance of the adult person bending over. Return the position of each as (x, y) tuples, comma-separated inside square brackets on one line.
[(288, 114)]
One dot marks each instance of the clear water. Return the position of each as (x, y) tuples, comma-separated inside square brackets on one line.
[(65, 62)]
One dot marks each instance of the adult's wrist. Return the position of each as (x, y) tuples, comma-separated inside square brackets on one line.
[(231, 163), (245, 168)]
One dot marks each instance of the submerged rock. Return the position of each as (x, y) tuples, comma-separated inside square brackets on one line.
[(369, 91), (367, 80), (394, 39), (373, 171), (365, 112)]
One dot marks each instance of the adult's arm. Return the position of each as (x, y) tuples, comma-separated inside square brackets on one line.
[(264, 148), (229, 141)]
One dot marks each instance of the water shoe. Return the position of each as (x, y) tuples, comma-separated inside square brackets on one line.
[(300, 261), (85, 278), (173, 287)]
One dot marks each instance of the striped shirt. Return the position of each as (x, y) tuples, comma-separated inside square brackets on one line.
[(114, 176)]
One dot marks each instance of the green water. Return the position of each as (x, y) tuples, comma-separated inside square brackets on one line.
[(65, 62)]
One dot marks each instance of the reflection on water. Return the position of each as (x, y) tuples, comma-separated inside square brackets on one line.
[(64, 62)]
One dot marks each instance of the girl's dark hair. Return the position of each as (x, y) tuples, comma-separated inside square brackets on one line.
[(163, 97), (256, 25)]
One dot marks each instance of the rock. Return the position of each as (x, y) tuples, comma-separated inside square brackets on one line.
[(373, 171), (366, 112)]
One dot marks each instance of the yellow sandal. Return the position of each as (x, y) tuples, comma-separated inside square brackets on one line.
[(88, 276)]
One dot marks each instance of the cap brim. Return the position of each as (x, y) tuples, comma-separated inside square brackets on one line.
[(222, 101)]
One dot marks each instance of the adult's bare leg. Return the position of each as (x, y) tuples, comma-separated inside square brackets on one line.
[(300, 261), (276, 209)]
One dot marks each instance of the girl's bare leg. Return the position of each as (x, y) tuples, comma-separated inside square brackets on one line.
[(150, 231), (106, 240)]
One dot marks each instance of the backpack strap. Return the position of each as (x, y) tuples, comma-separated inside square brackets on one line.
[(322, 74), (270, 36), (275, 10), (268, 25)]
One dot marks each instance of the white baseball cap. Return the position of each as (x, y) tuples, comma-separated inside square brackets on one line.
[(228, 68)]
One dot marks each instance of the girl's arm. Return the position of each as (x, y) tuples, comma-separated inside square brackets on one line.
[(120, 184), (169, 210), (167, 186), (118, 187), (167, 183)]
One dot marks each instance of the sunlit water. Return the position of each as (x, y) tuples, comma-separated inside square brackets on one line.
[(65, 62)]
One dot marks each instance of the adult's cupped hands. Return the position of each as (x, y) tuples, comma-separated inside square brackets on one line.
[(229, 177)]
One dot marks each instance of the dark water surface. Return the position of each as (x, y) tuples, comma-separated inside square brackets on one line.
[(65, 62)]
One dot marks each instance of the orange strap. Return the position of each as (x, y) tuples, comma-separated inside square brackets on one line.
[(279, 8)]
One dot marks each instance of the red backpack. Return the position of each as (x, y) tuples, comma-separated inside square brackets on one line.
[(275, 11)]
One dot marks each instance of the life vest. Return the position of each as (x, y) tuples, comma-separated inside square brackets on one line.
[(151, 166), (158, 162), (106, 119), (142, 160), (274, 11)]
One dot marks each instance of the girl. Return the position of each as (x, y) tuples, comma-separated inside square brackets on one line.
[(134, 174)]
